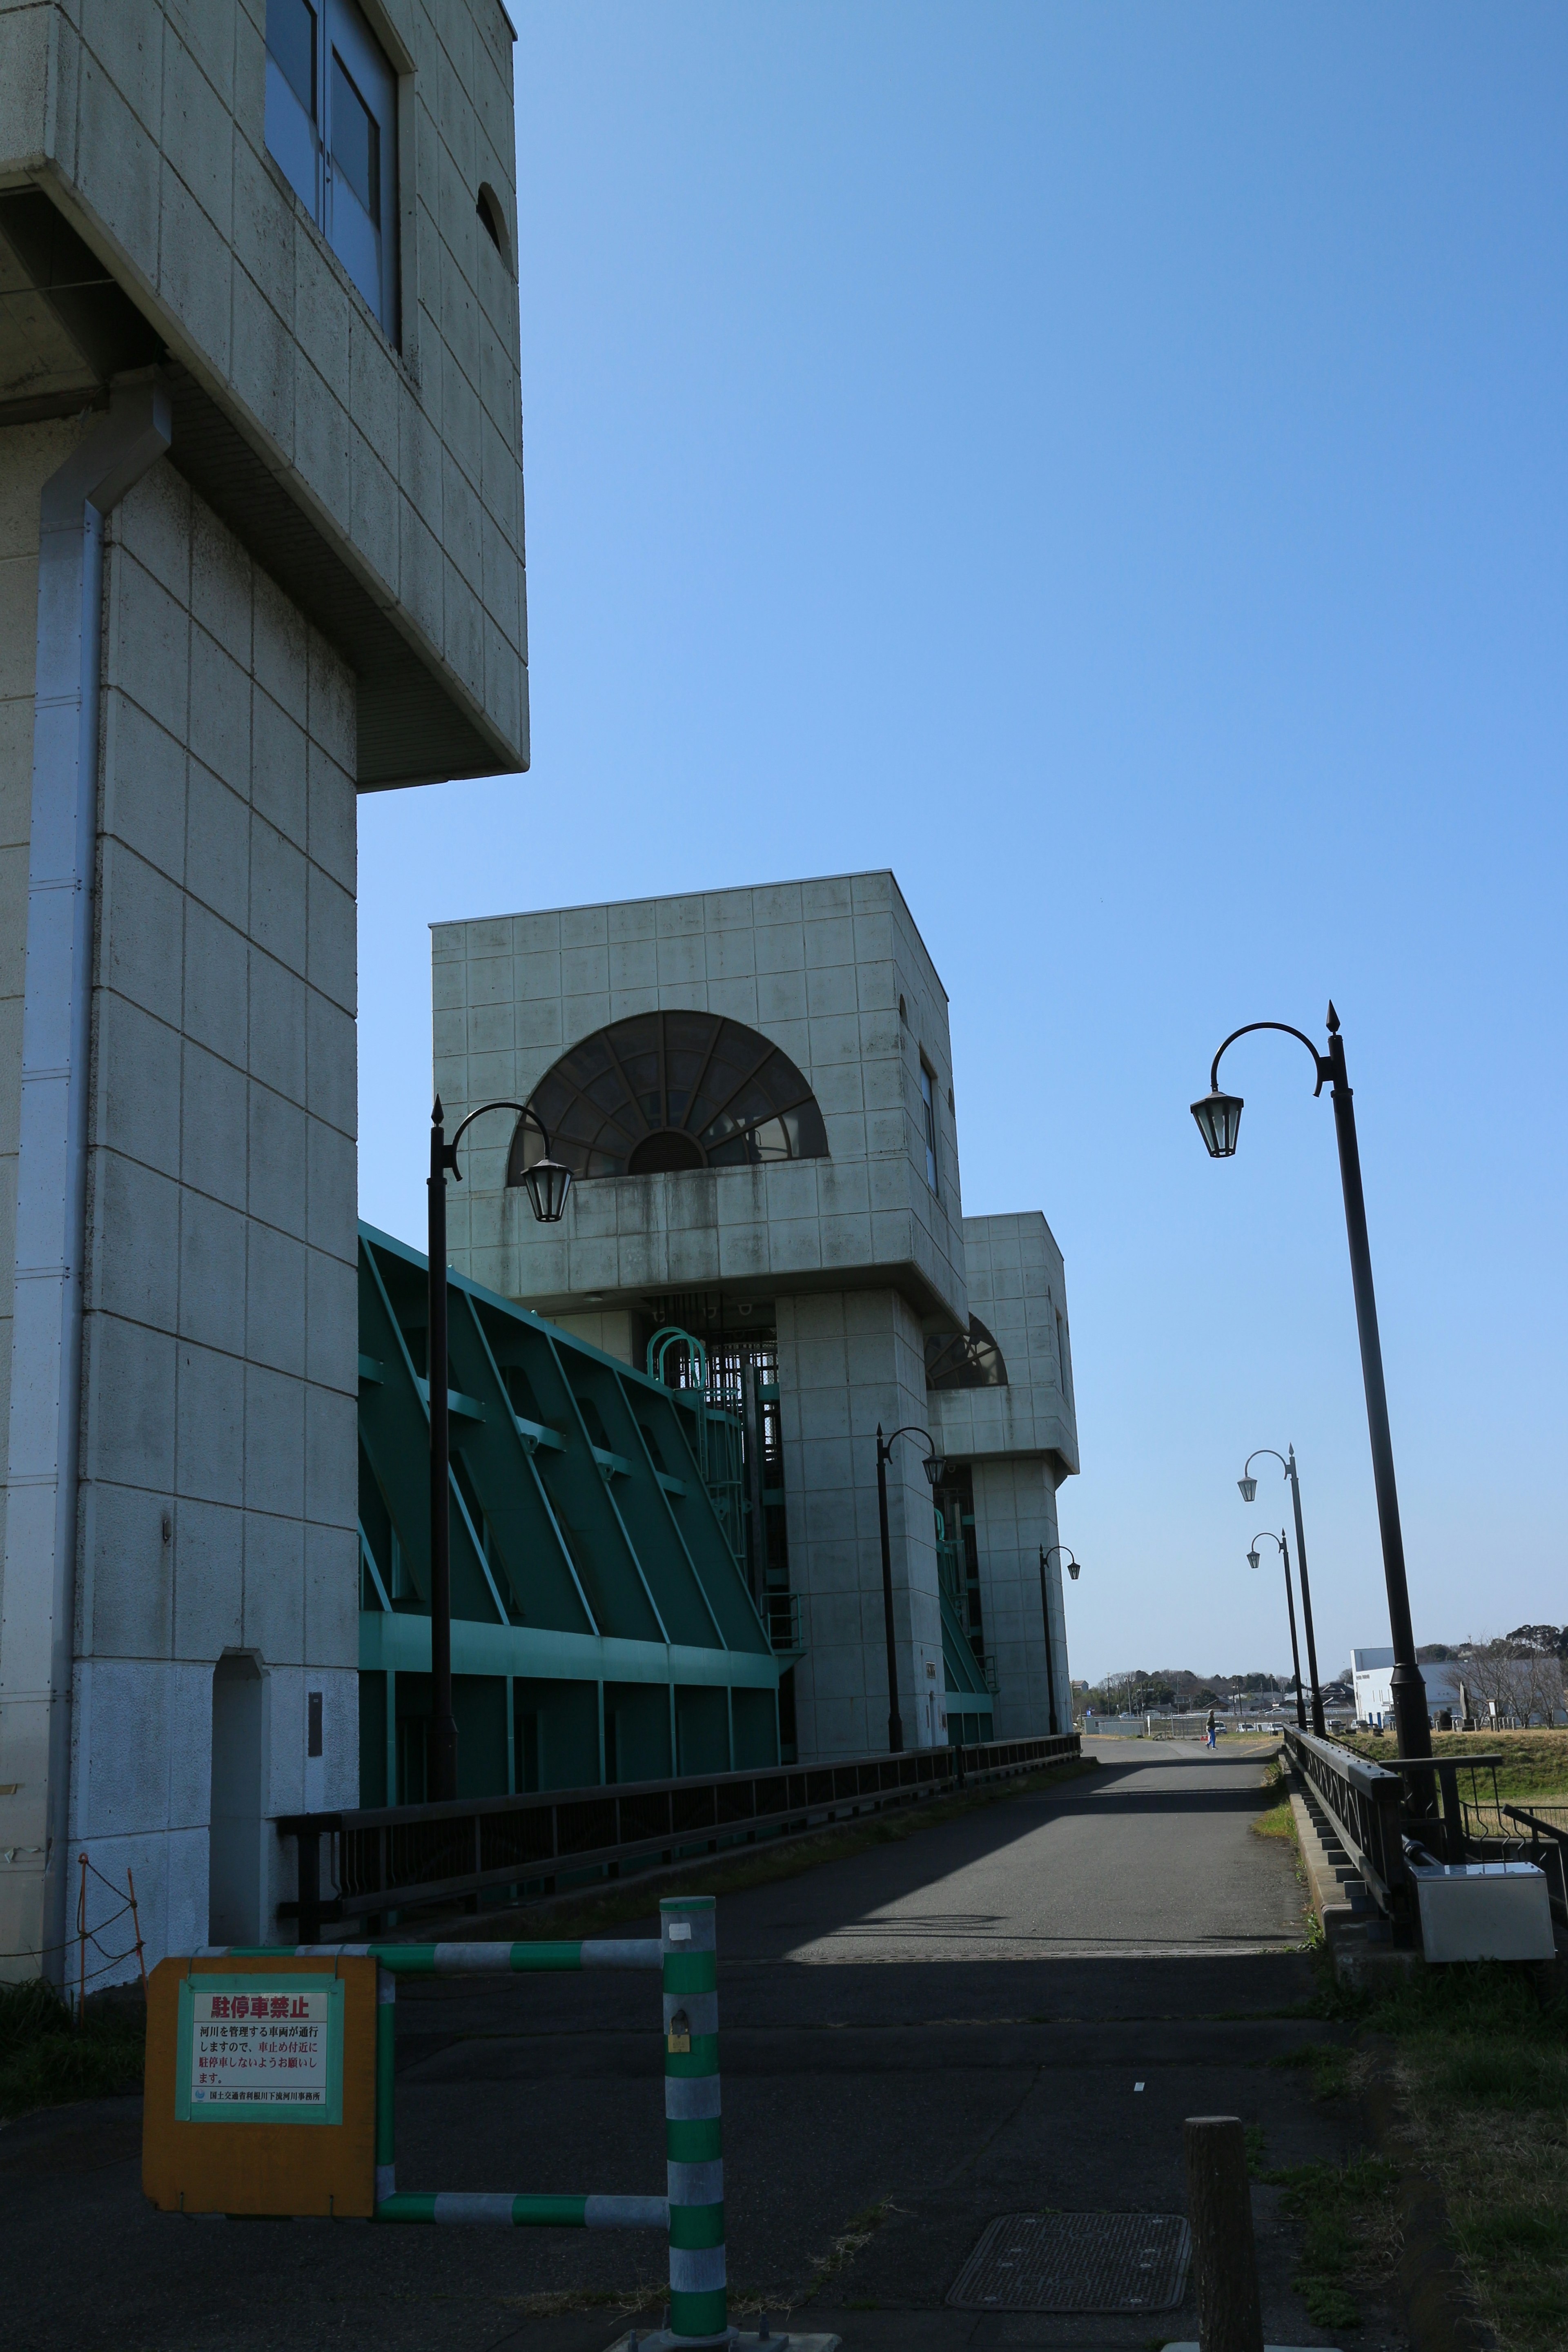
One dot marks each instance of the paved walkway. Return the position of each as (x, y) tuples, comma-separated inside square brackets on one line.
[(1011, 2012)]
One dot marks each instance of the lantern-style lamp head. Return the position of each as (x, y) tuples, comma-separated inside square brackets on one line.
[(1249, 1489), (1219, 1120), (1252, 1556), (934, 1466), (547, 1184), (1072, 1569)]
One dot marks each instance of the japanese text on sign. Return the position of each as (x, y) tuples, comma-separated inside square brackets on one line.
[(259, 2045)]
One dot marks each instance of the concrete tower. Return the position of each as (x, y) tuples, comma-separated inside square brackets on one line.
[(755, 1089), (260, 549)]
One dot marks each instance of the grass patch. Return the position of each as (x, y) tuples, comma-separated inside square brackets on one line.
[(1347, 2219), (1479, 2055), (45, 2058), (612, 1904), (1278, 1822), (1537, 1763), (1332, 2065)]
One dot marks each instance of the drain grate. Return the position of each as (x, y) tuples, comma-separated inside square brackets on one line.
[(1077, 2262)]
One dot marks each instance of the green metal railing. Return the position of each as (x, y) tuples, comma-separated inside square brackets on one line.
[(691, 2210)]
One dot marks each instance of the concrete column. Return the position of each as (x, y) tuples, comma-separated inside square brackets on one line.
[(1015, 1515), (848, 1359), (44, 1421)]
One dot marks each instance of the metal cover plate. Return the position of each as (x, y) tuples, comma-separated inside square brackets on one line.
[(1077, 2262)]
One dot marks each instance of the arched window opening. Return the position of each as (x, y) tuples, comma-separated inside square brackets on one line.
[(666, 1091), (492, 220), (964, 1359)]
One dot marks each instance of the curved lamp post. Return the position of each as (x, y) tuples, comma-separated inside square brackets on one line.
[(1248, 1486), (547, 1184), (1268, 1536), (933, 1466), (1072, 1567), (1218, 1116)]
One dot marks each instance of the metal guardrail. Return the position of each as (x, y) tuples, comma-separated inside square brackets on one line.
[(1366, 1806), (401, 1858), (1548, 1841)]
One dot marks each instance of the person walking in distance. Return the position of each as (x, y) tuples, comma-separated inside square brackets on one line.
[(1209, 1734)]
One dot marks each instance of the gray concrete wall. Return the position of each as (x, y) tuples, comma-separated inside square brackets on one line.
[(29, 454), (849, 1360), (1017, 1287), (144, 121), (217, 1500), (820, 968), (1015, 1518)]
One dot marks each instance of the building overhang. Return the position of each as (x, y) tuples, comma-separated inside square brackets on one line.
[(70, 325)]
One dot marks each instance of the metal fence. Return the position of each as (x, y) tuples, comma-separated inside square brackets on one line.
[(395, 1859), (1546, 1827), (1366, 1806)]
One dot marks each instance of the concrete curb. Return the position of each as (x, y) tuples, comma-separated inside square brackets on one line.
[(1434, 2291), (1356, 1936)]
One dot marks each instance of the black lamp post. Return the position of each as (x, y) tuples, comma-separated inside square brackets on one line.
[(1045, 1559), (933, 1472), (1248, 1486), (1219, 1118), (547, 1184), (1295, 1654)]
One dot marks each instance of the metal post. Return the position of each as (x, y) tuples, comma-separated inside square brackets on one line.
[(443, 1754), (385, 2085), (1414, 1732), (699, 2306), (759, 1512), (895, 1723), (1295, 1652), (1318, 1726), (1051, 1676)]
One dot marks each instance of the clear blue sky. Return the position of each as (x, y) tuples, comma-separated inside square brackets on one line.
[(1107, 464)]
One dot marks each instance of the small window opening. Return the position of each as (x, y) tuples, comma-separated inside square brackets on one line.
[(492, 219), (1062, 1348)]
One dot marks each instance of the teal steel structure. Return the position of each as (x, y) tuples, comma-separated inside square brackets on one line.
[(603, 1627)]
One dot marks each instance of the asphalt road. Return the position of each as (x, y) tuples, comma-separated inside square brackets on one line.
[(1006, 2012)]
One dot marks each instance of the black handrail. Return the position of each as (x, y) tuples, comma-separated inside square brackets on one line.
[(1366, 1806), (408, 1857)]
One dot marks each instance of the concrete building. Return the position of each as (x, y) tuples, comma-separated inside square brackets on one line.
[(260, 548), (755, 1090)]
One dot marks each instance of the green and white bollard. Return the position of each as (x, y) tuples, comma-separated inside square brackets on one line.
[(698, 2307)]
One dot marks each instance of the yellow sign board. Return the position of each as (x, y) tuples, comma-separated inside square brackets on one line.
[(260, 2085)]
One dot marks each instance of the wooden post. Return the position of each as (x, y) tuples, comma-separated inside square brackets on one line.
[(1224, 2259)]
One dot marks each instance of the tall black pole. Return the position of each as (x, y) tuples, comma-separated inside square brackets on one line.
[(443, 1753), (895, 1723), (1410, 1693), (1295, 1652), (1318, 1726), (1050, 1677)]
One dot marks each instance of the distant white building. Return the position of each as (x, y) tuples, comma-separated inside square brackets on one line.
[(1485, 1688)]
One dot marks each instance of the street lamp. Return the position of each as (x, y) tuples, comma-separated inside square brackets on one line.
[(1248, 1486), (547, 1184), (933, 1469), (1295, 1654), (1218, 1116), (1045, 1559)]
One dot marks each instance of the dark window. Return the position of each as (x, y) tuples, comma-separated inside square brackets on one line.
[(964, 1359), (671, 1090), (1062, 1348), (356, 142), (292, 43), (492, 220), (928, 1105), (331, 125)]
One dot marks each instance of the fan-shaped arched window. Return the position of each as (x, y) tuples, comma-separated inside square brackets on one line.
[(964, 1359), (671, 1090)]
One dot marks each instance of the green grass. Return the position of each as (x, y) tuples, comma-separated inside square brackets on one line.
[(47, 2059), (1537, 1763), (1344, 2212), (1278, 1822), (1479, 2056)]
